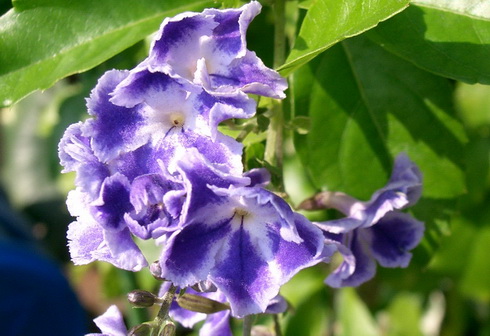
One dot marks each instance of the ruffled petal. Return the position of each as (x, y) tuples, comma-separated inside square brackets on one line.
[(151, 217), (250, 75), (111, 323), (178, 44), (77, 155), (259, 177), (115, 129), (291, 257), (243, 274), (358, 265), (217, 324), (403, 189), (392, 238), (189, 255), (109, 209)]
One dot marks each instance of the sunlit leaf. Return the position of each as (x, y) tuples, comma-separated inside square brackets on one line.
[(448, 40), (366, 106), (44, 41), (328, 22)]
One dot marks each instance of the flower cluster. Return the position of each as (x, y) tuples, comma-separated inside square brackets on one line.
[(151, 163)]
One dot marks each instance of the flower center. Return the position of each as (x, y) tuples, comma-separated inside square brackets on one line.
[(177, 119), (241, 213)]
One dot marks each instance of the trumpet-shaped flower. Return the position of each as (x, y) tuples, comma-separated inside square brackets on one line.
[(245, 239), (375, 230)]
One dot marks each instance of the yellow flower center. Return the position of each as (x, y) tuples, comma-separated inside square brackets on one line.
[(177, 119), (241, 213)]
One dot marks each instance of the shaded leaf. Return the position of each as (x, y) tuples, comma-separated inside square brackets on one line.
[(443, 41), (52, 39), (328, 22), (476, 278), (366, 106), (405, 314), (353, 316)]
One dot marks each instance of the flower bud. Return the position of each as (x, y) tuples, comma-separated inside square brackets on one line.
[(168, 329), (156, 271), (200, 304), (142, 299), (144, 329)]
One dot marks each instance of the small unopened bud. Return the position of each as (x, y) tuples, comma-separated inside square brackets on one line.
[(168, 329), (201, 304), (142, 299), (156, 271), (144, 329)]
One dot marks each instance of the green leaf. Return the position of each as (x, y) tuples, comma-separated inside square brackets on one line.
[(475, 8), (328, 22), (448, 40), (366, 106), (311, 317), (405, 315), (476, 278), (354, 317), (44, 41), (310, 306), (473, 103), (452, 256)]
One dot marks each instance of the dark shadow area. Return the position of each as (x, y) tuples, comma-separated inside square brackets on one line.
[(36, 298)]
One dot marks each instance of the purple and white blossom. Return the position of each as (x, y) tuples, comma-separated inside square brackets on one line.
[(155, 111), (210, 49), (245, 239), (111, 323), (151, 164), (375, 230)]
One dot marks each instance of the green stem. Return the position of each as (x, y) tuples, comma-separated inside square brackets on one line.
[(166, 302), (248, 322), (277, 325), (274, 146)]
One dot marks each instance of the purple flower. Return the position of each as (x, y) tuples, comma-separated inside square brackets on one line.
[(209, 49), (154, 110), (130, 195), (101, 234), (245, 239), (110, 323), (375, 230)]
